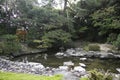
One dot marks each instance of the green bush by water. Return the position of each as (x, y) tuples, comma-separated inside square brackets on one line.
[(98, 75), (92, 47), (19, 76), (9, 44), (117, 42)]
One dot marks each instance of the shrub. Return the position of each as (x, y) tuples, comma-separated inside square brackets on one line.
[(112, 37), (100, 75), (1, 47), (56, 38), (86, 48), (117, 42), (37, 44), (93, 47), (10, 44)]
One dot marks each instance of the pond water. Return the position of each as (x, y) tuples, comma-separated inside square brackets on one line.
[(52, 61)]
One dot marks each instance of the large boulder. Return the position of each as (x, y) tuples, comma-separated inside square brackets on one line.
[(118, 69), (106, 47)]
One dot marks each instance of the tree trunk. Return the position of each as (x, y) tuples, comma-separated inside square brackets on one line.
[(65, 5)]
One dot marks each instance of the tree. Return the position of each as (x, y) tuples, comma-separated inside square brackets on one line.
[(107, 20), (48, 23)]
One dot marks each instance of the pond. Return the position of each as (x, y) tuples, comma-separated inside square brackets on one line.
[(49, 60)]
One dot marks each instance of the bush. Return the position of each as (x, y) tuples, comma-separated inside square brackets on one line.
[(117, 42), (112, 37), (92, 47), (37, 44), (56, 38), (100, 75), (10, 44), (1, 47)]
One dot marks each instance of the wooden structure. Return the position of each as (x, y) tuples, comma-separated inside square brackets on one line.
[(21, 33)]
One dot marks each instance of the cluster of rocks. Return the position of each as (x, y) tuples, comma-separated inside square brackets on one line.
[(68, 70), (7, 65), (79, 52)]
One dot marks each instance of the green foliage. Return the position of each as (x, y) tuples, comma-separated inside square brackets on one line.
[(93, 47), (57, 38), (33, 34), (1, 47), (75, 22), (50, 27), (10, 44), (9, 37), (82, 29), (100, 75), (117, 42), (19, 76), (106, 20), (39, 44), (84, 78), (111, 38)]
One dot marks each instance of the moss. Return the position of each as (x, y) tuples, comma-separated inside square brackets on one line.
[(93, 47), (19, 76)]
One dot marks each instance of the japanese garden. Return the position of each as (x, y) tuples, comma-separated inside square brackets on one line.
[(59, 39)]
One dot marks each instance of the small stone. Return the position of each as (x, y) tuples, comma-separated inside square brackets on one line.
[(63, 67), (69, 63), (59, 54), (82, 64), (79, 69), (83, 59)]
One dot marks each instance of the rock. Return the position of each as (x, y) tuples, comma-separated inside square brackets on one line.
[(117, 56), (39, 66), (79, 49), (116, 77), (79, 69), (106, 55), (82, 64), (63, 67), (118, 69), (83, 59), (69, 76), (106, 47), (59, 54), (69, 63), (36, 65), (70, 51)]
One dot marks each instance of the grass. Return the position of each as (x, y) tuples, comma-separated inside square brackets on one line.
[(84, 78), (20, 76)]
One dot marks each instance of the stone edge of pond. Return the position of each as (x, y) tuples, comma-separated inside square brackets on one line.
[(36, 68), (39, 69), (79, 52), (27, 53)]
